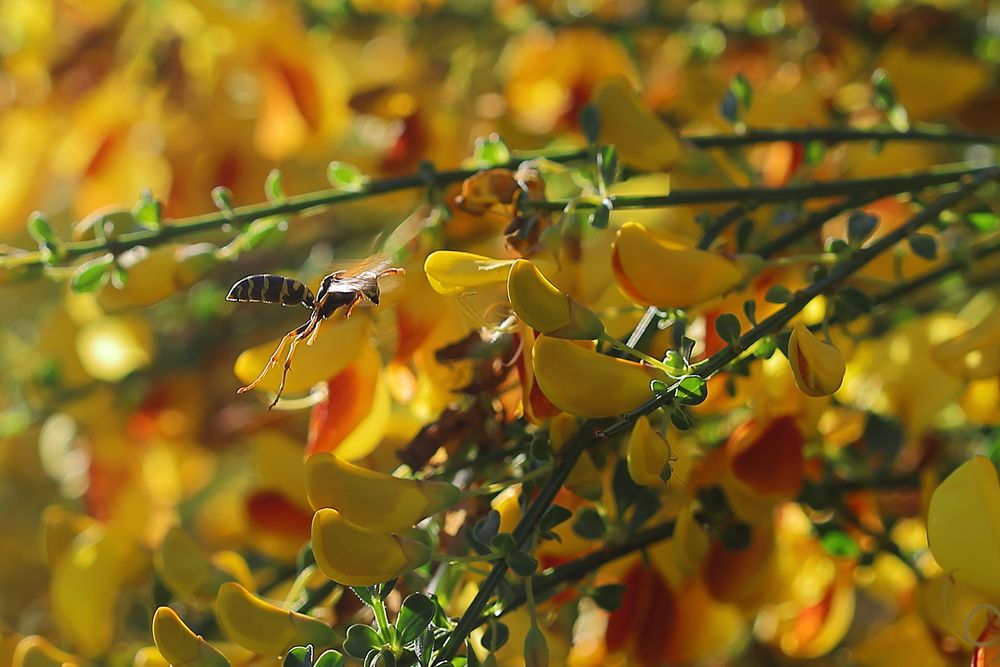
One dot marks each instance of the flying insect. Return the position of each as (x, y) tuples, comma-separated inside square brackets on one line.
[(346, 288)]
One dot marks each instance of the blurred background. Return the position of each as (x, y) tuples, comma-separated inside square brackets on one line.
[(121, 408)]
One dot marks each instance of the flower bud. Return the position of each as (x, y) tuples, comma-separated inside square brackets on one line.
[(818, 367), (647, 455), (507, 503), (372, 499), (356, 556), (667, 272), (179, 645), (963, 525), (536, 649), (547, 310), (642, 139), (264, 628), (585, 383), (451, 272)]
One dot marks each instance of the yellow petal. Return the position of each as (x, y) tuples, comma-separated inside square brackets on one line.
[(181, 564), (547, 310), (112, 347), (264, 628), (84, 589), (585, 383), (355, 556), (149, 656), (507, 503), (179, 645), (669, 273), (818, 367), (647, 455), (373, 499), (278, 463), (975, 354), (37, 651), (642, 139), (451, 272), (963, 525), (334, 348), (59, 528), (690, 542)]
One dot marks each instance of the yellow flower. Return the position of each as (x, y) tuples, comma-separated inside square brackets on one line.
[(642, 139), (818, 367), (963, 525), (547, 310), (153, 275), (451, 272), (373, 499), (179, 645), (668, 272), (507, 503), (647, 454), (585, 383), (264, 628), (975, 354), (37, 651), (186, 571), (356, 556)]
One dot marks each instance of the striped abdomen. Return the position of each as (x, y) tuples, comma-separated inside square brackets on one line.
[(267, 288)]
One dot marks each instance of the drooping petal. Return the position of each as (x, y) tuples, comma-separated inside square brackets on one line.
[(818, 367), (643, 140), (647, 454), (373, 499), (451, 272), (659, 271), (356, 556), (585, 383), (547, 310), (963, 525), (179, 645), (264, 628), (336, 346)]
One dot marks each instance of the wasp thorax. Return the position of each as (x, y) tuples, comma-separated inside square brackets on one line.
[(371, 292)]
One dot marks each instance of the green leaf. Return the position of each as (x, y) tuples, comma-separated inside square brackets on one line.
[(486, 528), (743, 232), (273, 189), (765, 347), (680, 418), (522, 563), (415, 615), (727, 326), (330, 658), (491, 151), (854, 300), (837, 246), (602, 215), (840, 544), (608, 597), (148, 211), (222, 197), (883, 95), (742, 90), (541, 450), (692, 390), (590, 123), (778, 294), (589, 524), (299, 656), (674, 361), (555, 515), (365, 593), (361, 640), (344, 176), (983, 221), (607, 162), (736, 536), (814, 152), (386, 587), (536, 649), (750, 310), (503, 543), (737, 99), (40, 230), (90, 275), (263, 231), (923, 245), (495, 636), (729, 107), (860, 226)]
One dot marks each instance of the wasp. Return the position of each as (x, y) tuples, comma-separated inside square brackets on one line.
[(341, 289)]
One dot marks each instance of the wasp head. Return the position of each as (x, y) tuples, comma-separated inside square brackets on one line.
[(371, 292)]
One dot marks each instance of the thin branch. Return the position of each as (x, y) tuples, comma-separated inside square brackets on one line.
[(833, 135)]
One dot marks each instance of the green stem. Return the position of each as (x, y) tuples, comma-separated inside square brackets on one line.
[(485, 558), (496, 487), (378, 606), (627, 349), (763, 195), (817, 258), (832, 135), (778, 320)]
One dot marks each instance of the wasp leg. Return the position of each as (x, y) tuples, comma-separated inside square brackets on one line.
[(274, 357), (351, 306), (391, 272), (315, 331), (307, 329)]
